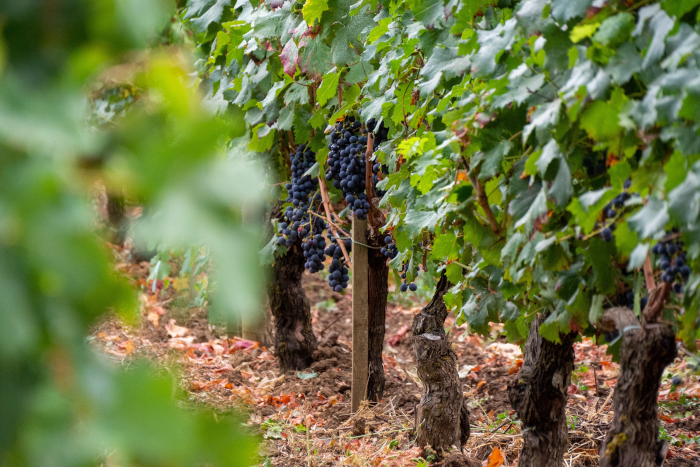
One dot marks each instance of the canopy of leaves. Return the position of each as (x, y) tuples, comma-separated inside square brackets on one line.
[(537, 113)]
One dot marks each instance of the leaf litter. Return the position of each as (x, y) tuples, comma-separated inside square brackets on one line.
[(303, 418)]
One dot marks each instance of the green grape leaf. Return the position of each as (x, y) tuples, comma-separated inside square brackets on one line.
[(600, 121), (446, 245), (328, 89), (202, 13), (651, 219), (615, 29), (445, 61), (564, 10)]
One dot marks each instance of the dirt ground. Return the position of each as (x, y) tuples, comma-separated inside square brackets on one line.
[(304, 418)]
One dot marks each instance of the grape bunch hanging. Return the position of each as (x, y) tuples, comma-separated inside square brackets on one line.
[(390, 250), (406, 285), (347, 164), (303, 194), (672, 261), (338, 272), (611, 209), (300, 222)]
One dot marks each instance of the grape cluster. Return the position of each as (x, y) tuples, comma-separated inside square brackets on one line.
[(595, 166), (672, 262), (314, 253), (611, 209), (347, 165), (301, 223), (338, 272), (390, 251), (303, 195), (406, 286), (627, 300)]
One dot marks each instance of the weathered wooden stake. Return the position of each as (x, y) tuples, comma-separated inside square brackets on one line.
[(360, 314)]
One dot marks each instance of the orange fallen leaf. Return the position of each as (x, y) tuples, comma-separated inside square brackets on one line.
[(495, 458), (174, 330), (128, 347), (153, 318)]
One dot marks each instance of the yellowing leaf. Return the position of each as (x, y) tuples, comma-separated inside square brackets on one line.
[(583, 31), (313, 9)]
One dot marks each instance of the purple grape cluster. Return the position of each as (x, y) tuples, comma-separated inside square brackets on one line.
[(314, 252), (303, 194), (299, 221), (611, 209), (406, 286), (627, 300), (338, 272), (390, 250), (672, 261), (347, 165)]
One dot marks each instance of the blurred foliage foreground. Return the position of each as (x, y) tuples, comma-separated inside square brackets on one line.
[(61, 404)]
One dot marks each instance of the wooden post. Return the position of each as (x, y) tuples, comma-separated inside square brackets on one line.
[(360, 314)]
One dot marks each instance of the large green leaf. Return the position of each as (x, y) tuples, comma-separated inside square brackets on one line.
[(651, 219), (564, 10), (202, 13)]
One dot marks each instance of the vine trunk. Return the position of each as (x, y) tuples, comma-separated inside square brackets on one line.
[(378, 289), (538, 395), (646, 351), (294, 337), (442, 415)]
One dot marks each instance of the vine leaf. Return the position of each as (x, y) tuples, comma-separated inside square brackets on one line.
[(290, 57), (313, 9), (316, 58), (650, 219), (202, 13), (564, 10), (328, 88)]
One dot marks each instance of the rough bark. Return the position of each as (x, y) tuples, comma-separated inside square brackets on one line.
[(294, 337), (646, 351), (378, 289), (538, 395), (442, 415), (116, 216)]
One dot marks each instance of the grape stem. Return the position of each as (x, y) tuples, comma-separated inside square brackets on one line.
[(649, 273), (331, 225)]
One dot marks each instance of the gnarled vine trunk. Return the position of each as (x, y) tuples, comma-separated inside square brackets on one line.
[(538, 395), (294, 337), (378, 288), (646, 351), (116, 216), (443, 416)]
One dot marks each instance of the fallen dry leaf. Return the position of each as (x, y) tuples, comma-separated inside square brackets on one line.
[(495, 458), (174, 330), (127, 346), (396, 338)]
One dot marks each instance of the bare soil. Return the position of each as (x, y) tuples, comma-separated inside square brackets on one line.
[(224, 373)]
